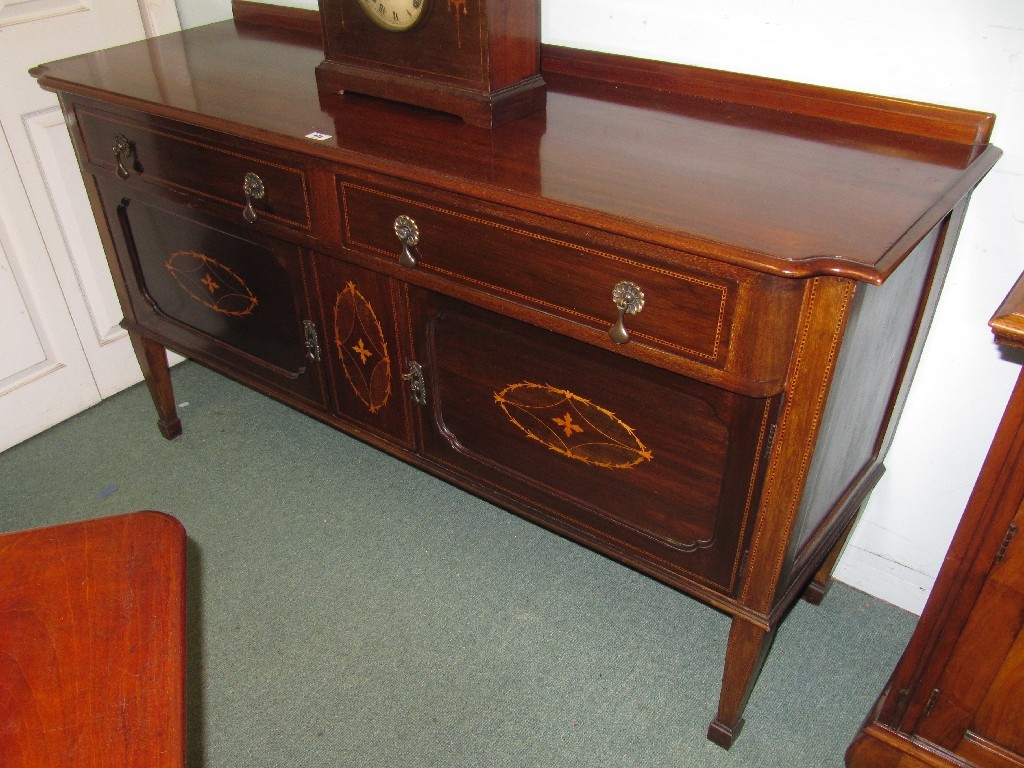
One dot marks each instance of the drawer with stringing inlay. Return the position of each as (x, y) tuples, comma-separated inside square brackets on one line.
[(645, 301), (258, 188)]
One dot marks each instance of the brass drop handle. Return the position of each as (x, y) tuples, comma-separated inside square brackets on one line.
[(629, 299), (409, 235), (122, 151), (254, 190)]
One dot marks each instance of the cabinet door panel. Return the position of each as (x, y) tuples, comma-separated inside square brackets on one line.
[(1001, 715), (210, 290), (647, 465), (982, 682), (995, 675), (361, 345)]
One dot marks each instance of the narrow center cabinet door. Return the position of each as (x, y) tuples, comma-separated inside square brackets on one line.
[(233, 300), (362, 349), (655, 469)]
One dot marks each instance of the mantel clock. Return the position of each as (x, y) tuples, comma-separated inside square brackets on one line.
[(478, 59)]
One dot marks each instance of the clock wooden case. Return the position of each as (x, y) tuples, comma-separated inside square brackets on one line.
[(478, 59)]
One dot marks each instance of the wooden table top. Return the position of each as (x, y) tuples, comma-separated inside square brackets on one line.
[(92, 644)]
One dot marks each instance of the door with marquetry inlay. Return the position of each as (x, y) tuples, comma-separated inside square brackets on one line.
[(631, 458)]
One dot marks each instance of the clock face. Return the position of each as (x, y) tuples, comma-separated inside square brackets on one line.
[(395, 15)]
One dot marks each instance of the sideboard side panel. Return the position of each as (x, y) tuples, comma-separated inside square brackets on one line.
[(877, 348), (888, 327)]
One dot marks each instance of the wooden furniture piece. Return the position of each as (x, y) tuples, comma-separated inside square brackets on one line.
[(479, 59), (673, 317), (956, 697), (92, 644)]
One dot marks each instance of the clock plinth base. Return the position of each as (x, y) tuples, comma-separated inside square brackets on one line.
[(484, 109)]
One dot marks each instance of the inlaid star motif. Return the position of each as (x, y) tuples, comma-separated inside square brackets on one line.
[(361, 350), (210, 283), (567, 424)]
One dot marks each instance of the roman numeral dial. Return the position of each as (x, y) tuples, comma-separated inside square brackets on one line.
[(395, 15)]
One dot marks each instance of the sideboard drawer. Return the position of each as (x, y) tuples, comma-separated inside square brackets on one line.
[(193, 165), (687, 315)]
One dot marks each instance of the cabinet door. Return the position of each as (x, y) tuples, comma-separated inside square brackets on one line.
[(653, 468), (977, 710), (362, 328), (212, 291)]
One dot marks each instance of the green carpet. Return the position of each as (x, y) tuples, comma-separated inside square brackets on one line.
[(348, 610)]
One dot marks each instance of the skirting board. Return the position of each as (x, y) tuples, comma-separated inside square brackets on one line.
[(885, 579)]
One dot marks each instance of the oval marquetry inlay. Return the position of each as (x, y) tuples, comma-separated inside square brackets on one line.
[(359, 340), (211, 283), (572, 426)]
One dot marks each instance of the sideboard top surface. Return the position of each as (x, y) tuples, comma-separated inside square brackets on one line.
[(782, 192)]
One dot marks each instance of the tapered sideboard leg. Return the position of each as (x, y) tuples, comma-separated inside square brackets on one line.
[(744, 657), (153, 361), (822, 581)]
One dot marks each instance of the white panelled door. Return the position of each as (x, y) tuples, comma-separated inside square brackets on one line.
[(61, 349)]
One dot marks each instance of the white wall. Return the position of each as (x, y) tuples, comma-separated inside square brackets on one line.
[(964, 54), (194, 13)]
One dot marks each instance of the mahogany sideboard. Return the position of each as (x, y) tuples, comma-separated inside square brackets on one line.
[(956, 698), (673, 317)]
